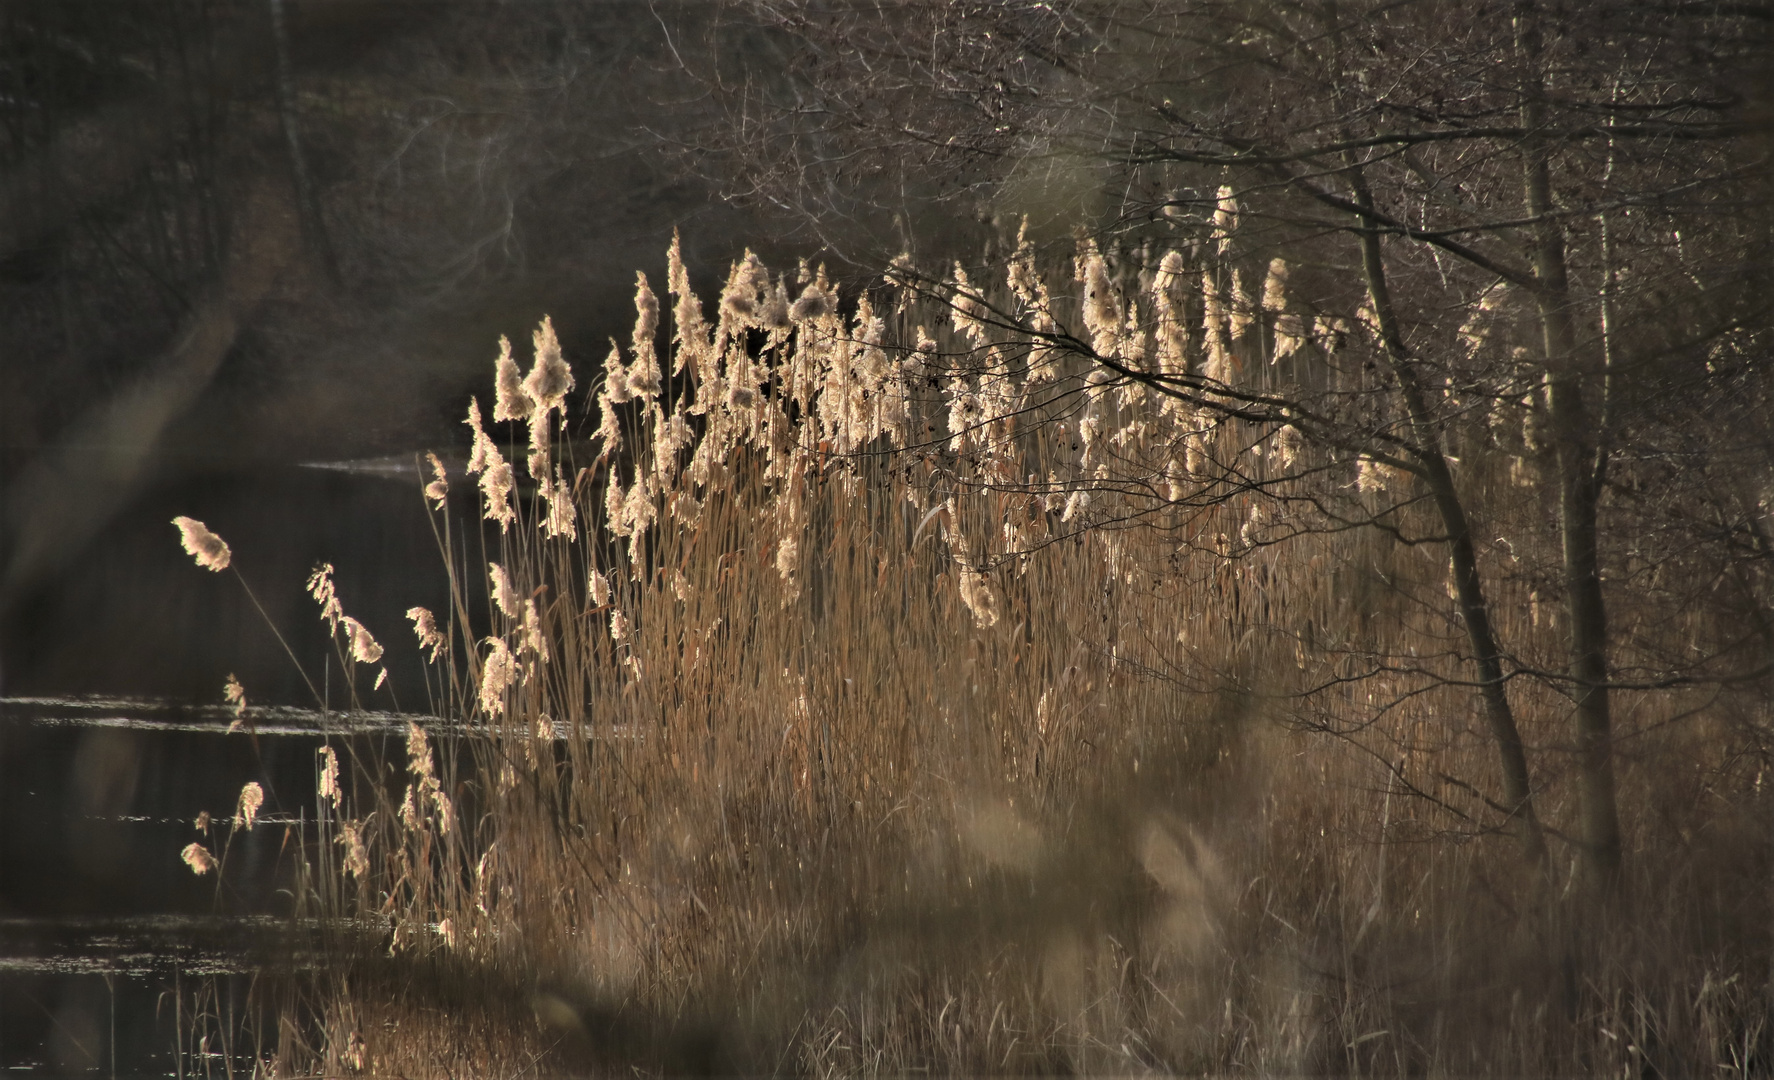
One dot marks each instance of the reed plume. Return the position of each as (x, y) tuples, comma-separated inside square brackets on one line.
[(198, 858), (252, 796), (208, 549)]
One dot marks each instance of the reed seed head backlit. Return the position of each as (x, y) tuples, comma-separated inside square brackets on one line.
[(498, 672), (252, 796), (198, 858), (425, 627), (210, 551), (364, 648), (329, 777), (438, 490)]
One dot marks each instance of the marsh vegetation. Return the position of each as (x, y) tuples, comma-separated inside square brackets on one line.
[(1014, 677), (1198, 538)]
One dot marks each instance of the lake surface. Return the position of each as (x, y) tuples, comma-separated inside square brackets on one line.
[(114, 739), (108, 941)]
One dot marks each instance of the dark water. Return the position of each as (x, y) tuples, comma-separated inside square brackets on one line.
[(130, 613), (109, 944), (114, 738), (105, 931)]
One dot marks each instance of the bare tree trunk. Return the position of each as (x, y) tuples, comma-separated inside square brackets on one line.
[(1579, 489), (1518, 797)]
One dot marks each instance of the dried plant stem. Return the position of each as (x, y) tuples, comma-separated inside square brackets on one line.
[(269, 622)]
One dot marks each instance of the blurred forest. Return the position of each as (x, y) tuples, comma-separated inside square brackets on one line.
[(239, 235)]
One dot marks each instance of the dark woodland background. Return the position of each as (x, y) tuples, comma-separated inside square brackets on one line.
[(240, 237)]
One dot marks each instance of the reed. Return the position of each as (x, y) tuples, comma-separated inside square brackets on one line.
[(897, 690)]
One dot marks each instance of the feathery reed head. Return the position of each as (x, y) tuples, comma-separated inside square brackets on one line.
[(409, 809), (497, 484), (483, 452), (252, 796), (198, 858), (498, 672), (320, 586), (504, 593), (425, 627), (419, 752), (329, 776), (439, 488), (510, 399), (644, 379), (235, 695), (550, 379), (210, 551), (535, 639), (364, 648)]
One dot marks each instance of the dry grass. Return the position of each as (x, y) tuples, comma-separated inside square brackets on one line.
[(818, 759)]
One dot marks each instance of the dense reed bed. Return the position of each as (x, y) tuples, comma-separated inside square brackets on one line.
[(894, 687)]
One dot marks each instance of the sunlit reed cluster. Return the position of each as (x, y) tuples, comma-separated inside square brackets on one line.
[(976, 674)]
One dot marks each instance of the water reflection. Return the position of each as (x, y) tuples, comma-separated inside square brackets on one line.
[(138, 714), (107, 942), (158, 995), (114, 740), (140, 946)]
